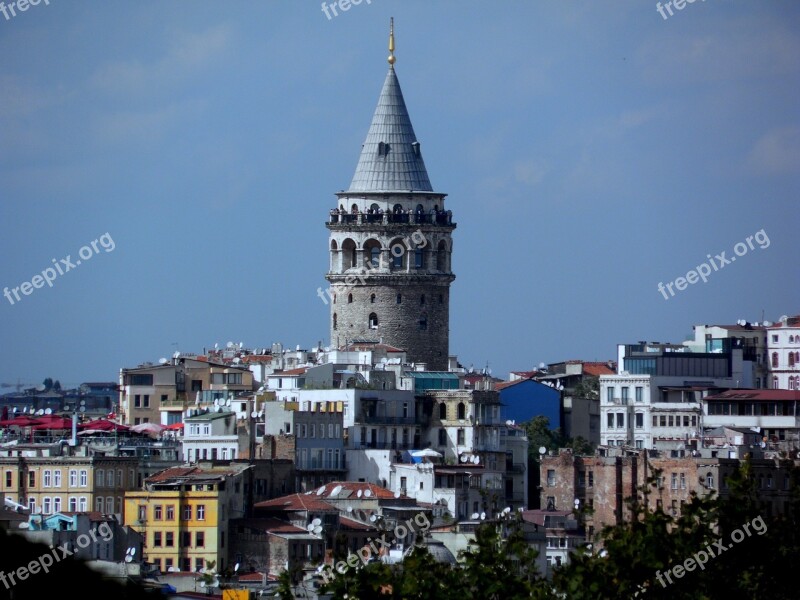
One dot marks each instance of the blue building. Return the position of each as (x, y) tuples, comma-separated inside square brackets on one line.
[(523, 399)]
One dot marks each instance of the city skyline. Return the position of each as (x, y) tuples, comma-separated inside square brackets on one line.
[(589, 156)]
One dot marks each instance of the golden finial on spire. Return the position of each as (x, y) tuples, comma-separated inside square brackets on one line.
[(391, 58)]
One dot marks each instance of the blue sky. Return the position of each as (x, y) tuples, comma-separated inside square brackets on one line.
[(590, 150)]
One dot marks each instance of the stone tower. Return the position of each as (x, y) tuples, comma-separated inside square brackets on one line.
[(390, 243)]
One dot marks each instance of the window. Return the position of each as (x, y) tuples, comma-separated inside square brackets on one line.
[(639, 394), (683, 481), (663, 420), (372, 298), (774, 339), (610, 395), (462, 411), (639, 420), (442, 436), (694, 420), (156, 539), (170, 539), (655, 421), (168, 563), (774, 359), (198, 564), (57, 478), (674, 481), (330, 430), (200, 539), (460, 437), (581, 478), (423, 322), (146, 401), (32, 505), (709, 480), (640, 444), (31, 478), (399, 298), (170, 513), (551, 477), (73, 478), (46, 505), (83, 504), (349, 298), (373, 321), (620, 420), (137, 401), (334, 320), (100, 504), (201, 512), (187, 513), (9, 478), (47, 478), (57, 504), (99, 478), (625, 390), (591, 478), (443, 412), (157, 512), (110, 478)]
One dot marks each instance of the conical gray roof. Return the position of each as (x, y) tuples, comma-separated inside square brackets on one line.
[(390, 158)]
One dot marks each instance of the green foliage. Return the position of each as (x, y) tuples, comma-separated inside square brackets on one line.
[(631, 560)]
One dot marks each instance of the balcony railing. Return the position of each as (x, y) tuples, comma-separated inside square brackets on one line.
[(442, 218), (384, 420)]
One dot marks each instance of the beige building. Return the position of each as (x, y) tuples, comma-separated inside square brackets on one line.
[(41, 479), (161, 393)]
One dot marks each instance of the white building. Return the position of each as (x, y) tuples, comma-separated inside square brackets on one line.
[(783, 350), (210, 436)]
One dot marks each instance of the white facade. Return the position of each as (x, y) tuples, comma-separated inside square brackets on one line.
[(783, 352), (210, 436)]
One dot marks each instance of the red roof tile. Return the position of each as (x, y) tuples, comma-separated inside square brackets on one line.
[(297, 502), (761, 395)]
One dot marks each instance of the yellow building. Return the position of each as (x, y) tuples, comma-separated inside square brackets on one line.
[(183, 514), (44, 482)]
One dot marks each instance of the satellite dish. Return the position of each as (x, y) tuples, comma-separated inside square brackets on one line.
[(260, 414), (310, 527), (162, 361), (463, 458), (477, 460), (216, 402), (475, 516), (128, 558), (202, 584), (176, 355), (373, 518), (506, 510), (367, 493), (229, 345), (228, 402), (236, 567), (317, 530), (49, 411), (254, 414), (350, 509), (397, 494), (40, 412), (321, 491), (483, 516), (133, 551), (542, 450), (219, 409), (336, 490), (316, 522), (359, 493)]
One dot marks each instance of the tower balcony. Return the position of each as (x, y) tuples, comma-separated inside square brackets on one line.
[(349, 220)]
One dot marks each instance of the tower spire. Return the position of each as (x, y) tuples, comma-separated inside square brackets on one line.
[(391, 58)]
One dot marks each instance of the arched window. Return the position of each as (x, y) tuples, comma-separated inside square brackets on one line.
[(419, 258), (399, 298), (354, 209), (349, 298), (422, 300), (335, 319), (372, 249), (372, 299), (462, 410), (774, 359), (423, 322), (348, 254), (791, 383), (791, 339), (373, 321), (443, 411), (441, 256), (775, 382), (791, 359)]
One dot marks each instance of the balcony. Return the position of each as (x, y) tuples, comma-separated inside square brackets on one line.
[(444, 219), (515, 468), (383, 420)]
